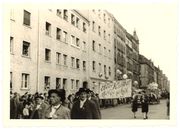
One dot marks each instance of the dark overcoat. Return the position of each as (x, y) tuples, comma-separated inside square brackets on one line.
[(88, 111), (40, 113), (145, 104), (134, 106)]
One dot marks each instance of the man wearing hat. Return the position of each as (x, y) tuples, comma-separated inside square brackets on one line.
[(39, 108), (84, 108), (91, 96), (56, 110)]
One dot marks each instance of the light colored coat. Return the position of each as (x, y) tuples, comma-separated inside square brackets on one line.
[(61, 113)]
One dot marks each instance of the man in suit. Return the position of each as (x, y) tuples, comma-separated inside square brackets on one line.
[(84, 108), (39, 108), (91, 96), (56, 110)]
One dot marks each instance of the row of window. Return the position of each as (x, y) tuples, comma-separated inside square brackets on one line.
[(99, 31), (61, 13), (64, 13), (26, 50), (75, 62), (100, 68), (99, 49), (99, 12), (63, 36), (61, 83), (60, 34)]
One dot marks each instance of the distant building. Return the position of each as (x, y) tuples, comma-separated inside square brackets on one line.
[(146, 71), (132, 52), (119, 50)]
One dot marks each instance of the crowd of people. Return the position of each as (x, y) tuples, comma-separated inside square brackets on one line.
[(84, 104)]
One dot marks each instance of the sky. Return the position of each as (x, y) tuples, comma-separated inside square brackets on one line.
[(156, 27)]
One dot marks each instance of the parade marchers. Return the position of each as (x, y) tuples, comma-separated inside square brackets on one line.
[(54, 105), (84, 104)]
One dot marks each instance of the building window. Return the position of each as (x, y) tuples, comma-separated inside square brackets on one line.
[(93, 45), (27, 16), (99, 14), (104, 51), (25, 81), (72, 19), (65, 59), (109, 37), (84, 65), (72, 40), (108, 21), (46, 82), (104, 35), (11, 44), (72, 62), (72, 83), (77, 84), (77, 42), (100, 49), (26, 48), (93, 26), (77, 63), (58, 58), (109, 53), (84, 46), (84, 27), (64, 83), (105, 70), (77, 22), (94, 65), (48, 28), (99, 31), (65, 15), (104, 18), (59, 12), (100, 69), (47, 54), (58, 34), (11, 83), (109, 71), (58, 83), (64, 36)]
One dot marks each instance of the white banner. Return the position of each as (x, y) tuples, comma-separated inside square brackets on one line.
[(116, 89)]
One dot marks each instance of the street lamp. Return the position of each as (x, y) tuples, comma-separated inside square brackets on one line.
[(125, 76), (100, 74), (135, 83), (118, 73)]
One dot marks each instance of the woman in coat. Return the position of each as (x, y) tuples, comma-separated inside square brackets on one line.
[(145, 106), (135, 106)]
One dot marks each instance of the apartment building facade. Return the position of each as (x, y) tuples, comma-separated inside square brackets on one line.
[(49, 50), (101, 48)]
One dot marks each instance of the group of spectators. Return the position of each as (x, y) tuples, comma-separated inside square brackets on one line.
[(84, 104)]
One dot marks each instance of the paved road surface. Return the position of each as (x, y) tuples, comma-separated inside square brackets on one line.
[(156, 111)]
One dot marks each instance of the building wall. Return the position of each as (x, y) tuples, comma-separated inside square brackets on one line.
[(119, 49), (103, 57), (19, 63), (36, 35)]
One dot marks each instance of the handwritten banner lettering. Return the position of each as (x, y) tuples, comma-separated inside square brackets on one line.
[(116, 89)]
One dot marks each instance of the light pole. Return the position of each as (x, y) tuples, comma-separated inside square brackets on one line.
[(118, 74)]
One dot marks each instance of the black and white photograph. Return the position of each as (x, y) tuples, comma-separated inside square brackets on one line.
[(98, 63)]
